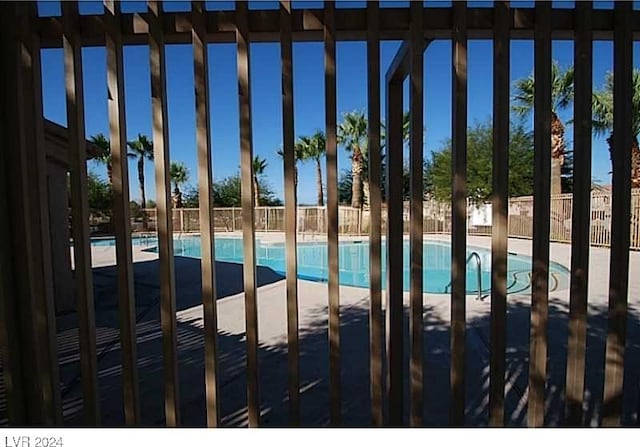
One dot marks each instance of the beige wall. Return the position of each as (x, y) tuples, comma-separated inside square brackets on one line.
[(59, 229), (63, 282)]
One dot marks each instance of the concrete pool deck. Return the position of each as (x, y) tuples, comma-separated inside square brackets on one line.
[(354, 348)]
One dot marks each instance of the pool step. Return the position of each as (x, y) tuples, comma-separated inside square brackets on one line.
[(554, 282)]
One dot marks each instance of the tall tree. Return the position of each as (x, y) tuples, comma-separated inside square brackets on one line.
[(298, 156), (227, 193), (259, 166), (406, 123), (603, 120), (352, 135), (314, 148), (104, 153), (99, 193), (479, 165), (344, 182), (561, 98), (142, 149), (179, 175)]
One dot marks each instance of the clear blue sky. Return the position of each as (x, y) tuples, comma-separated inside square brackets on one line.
[(308, 74)]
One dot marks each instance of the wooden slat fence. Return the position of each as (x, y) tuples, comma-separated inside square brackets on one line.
[(30, 388)]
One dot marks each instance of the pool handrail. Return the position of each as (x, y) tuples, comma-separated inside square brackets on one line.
[(476, 256)]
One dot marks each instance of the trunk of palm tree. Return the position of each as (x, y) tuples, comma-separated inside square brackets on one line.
[(256, 192), (558, 147), (556, 176), (143, 199), (635, 160), (177, 197), (319, 183), (110, 172), (635, 163), (365, 192), (356, 174)]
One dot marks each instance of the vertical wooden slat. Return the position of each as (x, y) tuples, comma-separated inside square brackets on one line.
[(9, 341), (121, 213), (12, 368), (80, 213), (459, 213), (205, 180), (375, 202), (165, 221), (33, 253), (394, 295), (332, 211), (541, 214), (620, 213), (416, 214), (581, 221), (248, 230), (500, 212), (286, 50)]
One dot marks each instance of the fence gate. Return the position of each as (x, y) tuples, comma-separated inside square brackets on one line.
[(46, 353)]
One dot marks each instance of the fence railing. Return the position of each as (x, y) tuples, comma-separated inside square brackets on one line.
[(436, 219)]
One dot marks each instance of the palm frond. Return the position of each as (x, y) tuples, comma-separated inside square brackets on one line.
[(561, 91), (259, 165), (352, 131), (602, 105), (178, 173), (602, 111), (562, 87), (523, 97)]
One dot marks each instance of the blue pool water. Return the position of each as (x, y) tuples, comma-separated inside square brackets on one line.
[(354, 261), (135, 240)]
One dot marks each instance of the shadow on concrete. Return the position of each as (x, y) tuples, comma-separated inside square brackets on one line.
[(188, 282), (314, 357)]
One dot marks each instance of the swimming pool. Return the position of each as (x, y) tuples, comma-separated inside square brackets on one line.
[(354, 261)]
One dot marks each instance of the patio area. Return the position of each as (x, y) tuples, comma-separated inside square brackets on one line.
[(314, 349)]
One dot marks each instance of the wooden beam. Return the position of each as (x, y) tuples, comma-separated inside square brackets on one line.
[(248, 211), (622, 139), (77, 155), (376, 322), (37, 307), (205, 194), (332, 212), (541, 216), (165, 214), (10, 272), (286, 50), (500, 213), (394, 297), (416, 100), (581, 216), (351, 24), (459, 214), (121, 212)]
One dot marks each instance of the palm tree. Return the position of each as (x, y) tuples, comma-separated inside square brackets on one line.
[(104, 153), (603, 120), (298, 156), (352, 134), (406, 133), (259, 166), (142, 149), (561, 98), (179, 175), (406, 129), (314, 148)]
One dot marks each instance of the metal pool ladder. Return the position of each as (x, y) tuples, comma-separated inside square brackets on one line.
[(476, 256)]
